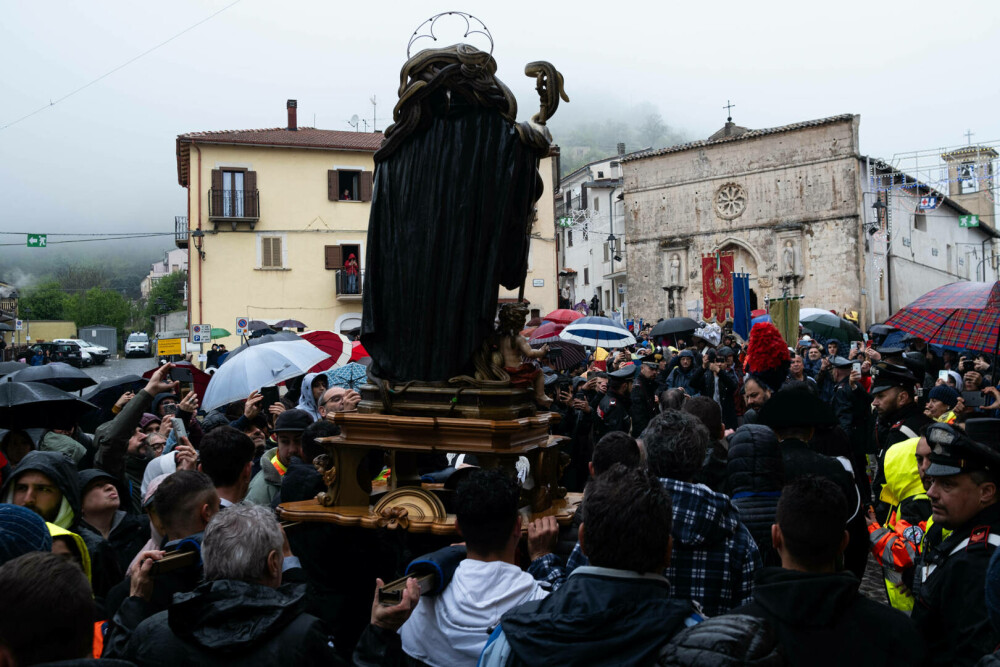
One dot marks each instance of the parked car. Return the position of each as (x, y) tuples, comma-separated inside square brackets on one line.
[(98, 354), (69, 353), (137, 345)]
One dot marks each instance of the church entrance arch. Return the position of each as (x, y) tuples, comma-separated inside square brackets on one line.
[(745, 258)]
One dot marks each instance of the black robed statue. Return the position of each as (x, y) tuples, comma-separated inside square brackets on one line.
[(456, 181)]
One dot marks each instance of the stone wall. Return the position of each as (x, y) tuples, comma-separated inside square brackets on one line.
[(786, 203)]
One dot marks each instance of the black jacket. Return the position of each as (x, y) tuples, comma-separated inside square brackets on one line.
[(703, 381), (950, 605), (643, 404), (733, 639), (111, 556), (612, 415), (755, 476), (822, 619), (598, 617), (236, 623), (853, 409)]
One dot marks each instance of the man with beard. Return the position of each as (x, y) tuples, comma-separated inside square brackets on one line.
[(682, 374), (899, 415)]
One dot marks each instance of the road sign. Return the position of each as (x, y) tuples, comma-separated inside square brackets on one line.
[(37, 241), (927, 203), (968, 221), (19, 325), (201, 333), (242, 326), (168, 346)]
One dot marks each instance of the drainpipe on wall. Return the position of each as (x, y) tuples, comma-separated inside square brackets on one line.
[(201, 276)]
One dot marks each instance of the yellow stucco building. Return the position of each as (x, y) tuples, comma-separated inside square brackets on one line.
[(274, 216)]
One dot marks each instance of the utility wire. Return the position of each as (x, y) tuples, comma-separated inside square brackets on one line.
[(52, 103), (103, 238), (119, 234)]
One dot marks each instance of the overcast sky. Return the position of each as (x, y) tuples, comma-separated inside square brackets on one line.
[(919, 73)]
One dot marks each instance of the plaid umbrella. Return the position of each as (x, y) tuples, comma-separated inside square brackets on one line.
[(964, 315)]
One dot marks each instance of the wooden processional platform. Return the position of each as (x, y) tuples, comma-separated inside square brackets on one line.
[(494, 424)]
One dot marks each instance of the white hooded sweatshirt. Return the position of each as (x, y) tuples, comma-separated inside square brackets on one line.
[(451, 629)]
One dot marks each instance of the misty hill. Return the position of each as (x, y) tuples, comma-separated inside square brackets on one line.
[(119, 265), (590, 129)]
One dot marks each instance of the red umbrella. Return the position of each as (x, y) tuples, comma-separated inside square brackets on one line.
[(963, 315), (199, 376), (338, 346), (358, 351), (563, 316), (547, 332)]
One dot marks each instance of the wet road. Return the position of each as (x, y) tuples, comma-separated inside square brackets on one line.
[(113, 368)]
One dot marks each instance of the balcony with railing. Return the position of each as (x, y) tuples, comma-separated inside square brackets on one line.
[(181, 231), (233, 206), (349, 285)]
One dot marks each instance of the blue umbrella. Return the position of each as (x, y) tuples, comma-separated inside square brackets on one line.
[(348, 376), (596, 331)]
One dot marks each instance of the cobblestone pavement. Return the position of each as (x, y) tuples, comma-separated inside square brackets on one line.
[(872, 584)]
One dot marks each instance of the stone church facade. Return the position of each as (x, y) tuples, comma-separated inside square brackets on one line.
[(786, 201)]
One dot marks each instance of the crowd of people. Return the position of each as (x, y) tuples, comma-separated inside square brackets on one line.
[(733, 496)]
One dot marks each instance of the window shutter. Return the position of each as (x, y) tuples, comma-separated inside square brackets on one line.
[(333, 257), (331, 185), (366, 186), (569, 201), (276, 252), (215, 201), (250, 194), (583, 196), (265, 252)]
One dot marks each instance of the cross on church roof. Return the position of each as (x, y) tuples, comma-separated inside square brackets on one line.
[(729, 111), (968, 136)]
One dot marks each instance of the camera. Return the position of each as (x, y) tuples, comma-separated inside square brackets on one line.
[(968, 365), (554, 353)]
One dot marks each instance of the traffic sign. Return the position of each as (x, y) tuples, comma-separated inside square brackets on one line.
[(166, 347), (19, 325), (201, 333), (37, 241), (242, 326), (968, 221)]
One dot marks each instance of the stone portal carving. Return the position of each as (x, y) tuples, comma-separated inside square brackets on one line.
[(675, 283)]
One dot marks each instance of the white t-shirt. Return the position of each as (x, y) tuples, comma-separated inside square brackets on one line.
[(451, 629)]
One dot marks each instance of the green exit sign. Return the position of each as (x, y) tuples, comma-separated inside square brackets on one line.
[(37, 241), (968, 221)]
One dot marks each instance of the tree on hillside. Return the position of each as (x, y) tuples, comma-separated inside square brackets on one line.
[(102, 306), (47, 301), (167, 295)]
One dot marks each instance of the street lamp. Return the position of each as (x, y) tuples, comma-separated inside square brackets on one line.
[(198, 237)]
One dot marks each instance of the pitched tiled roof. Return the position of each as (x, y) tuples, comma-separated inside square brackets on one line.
[(304, 137), (749, 134)]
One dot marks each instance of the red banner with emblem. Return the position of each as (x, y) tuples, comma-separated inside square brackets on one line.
[(717, 286)]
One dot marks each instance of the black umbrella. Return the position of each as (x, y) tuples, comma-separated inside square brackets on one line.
[(672, 326), (258, 324), (290, 324), (8, 367), (58, 374), (6, 327), (33, 405), (570, 354), (105, 395)]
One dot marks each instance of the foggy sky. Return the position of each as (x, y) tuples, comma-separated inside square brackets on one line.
[(919, 73)]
